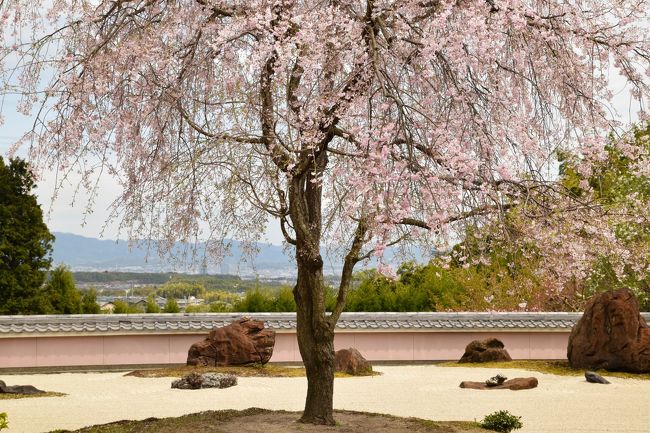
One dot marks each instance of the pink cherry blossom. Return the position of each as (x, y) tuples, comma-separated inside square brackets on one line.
[(342, 121)]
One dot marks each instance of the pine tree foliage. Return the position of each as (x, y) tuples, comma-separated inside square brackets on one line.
[(25, 242)]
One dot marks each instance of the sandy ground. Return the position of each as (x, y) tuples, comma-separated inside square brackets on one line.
[(558, 404)]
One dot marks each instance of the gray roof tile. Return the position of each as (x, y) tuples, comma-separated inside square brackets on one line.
[(143, 323)]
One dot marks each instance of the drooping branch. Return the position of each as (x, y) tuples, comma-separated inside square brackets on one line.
[(351, 259), (219, 136), (285, 233), (279, 156), (221, 10)]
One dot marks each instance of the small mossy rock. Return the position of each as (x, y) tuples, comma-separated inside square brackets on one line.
[(205, 380), (611, 335), (244, 341), (351, 361), (515, 384), (487, 350)]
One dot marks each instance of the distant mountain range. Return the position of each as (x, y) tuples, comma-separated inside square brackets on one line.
[(90, 254), (82, 253)]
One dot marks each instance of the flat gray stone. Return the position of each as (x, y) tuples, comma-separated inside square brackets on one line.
[(595, 378)]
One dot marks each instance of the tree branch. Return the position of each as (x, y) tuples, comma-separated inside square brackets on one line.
[(351, 259), (222, 136)]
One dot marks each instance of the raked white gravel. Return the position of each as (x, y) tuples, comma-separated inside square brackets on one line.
[(558, 404)]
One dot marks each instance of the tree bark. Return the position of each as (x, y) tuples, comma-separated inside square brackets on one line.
[(315, 331), (316, 344)]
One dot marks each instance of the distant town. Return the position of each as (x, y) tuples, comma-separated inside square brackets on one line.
[(147, 291)]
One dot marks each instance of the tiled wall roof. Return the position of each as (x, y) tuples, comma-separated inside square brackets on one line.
[(23, 326)]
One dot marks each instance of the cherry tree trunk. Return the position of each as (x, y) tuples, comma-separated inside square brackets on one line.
[(315, 332), (315, 341)]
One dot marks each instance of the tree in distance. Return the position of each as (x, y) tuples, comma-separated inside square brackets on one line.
[(64, 297), (359, 124), (122, 307), (62, 292), (171, 306), (152, 306), (199, 308), (25, 243), (89, 302)]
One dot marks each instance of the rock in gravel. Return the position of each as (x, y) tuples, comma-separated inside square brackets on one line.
[(611, 334), (244, 341), (595, 378), (487, 350), (496, 380), (351, 361), (18, 389), (515, 384), (205, 380)]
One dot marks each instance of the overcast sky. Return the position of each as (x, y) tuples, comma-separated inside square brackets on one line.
[(62, 215), (65, 216)]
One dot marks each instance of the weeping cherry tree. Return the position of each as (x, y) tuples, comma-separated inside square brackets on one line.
[(359, 124)]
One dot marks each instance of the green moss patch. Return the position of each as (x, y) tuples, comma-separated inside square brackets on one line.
[(7, 396), (254, 370)]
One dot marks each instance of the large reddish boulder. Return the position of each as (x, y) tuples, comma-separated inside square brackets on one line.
[(244, 341), (351, 361), (487, 350), (611, 334)]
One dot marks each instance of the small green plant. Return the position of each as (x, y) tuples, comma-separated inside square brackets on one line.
[(3, 421), (502, 421)]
